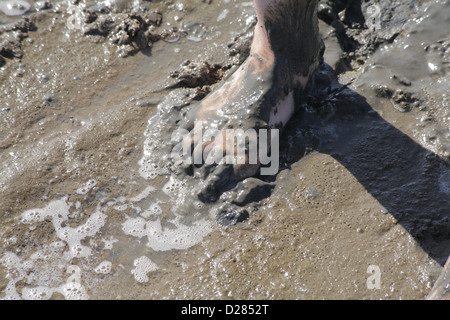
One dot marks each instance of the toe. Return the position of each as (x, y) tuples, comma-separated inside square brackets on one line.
[(216, 182), (242, 171)]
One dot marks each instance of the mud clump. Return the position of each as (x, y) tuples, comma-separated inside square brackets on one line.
[(100, 27), (11, 48), (197, 75), (12, 37), (133, 33)]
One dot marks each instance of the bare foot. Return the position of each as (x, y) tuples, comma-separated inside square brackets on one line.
[(260, 95)]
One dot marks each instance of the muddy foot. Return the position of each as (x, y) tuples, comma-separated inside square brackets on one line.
[(233, 132)]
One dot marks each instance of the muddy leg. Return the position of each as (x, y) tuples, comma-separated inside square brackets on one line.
[(260, 95)]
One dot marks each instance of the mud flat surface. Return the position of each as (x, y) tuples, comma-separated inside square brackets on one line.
[(358, 210)]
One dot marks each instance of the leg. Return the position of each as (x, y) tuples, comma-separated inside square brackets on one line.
[(263, 92)]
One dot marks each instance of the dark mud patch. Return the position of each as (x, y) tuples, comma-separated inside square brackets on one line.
[(193, 75), (12, 36)]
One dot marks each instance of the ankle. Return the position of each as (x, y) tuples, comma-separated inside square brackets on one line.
[(261, 47), (290, 29)]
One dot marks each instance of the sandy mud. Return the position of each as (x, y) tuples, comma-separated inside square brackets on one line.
[(91, 206)]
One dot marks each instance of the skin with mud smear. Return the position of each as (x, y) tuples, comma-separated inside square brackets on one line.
[(263, 92)]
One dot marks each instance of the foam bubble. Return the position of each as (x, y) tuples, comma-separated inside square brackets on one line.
[(172, 186), (148, 169), (109, 243), (73, 291), (10, 292), (89, 185), (144, 194), (58, 211), (178, 236), (15, 7), (153, 210), (104, 267), (121, 207), (135, 227), (143, 266), (38, 293), (17, 270), (12, 262)]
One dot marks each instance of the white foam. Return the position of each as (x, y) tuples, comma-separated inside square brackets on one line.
[(109, 243), (172, 186), (121, 207), (143, 195), (178, 236), (148, 170), (135, 227), (70, 291), (17, 271), (49, 260), (155, 208), (143, 266), (89, 185), (104, 267), (179, 194), (10, 290), (58, 211), (14, 7), (37, 293), (73, 291)]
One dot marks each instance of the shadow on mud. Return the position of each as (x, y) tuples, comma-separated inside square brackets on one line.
[(399, 173)]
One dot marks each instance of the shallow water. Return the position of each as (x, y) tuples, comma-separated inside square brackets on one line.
[(84, 215)]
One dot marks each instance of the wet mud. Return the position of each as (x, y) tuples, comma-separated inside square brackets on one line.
[(91, 206)]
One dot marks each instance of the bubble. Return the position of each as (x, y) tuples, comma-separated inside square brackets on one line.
[(195, 31), (15, 7), (58, 244), (31, 216), (148, 170), (155, 209), (104, 267), (144, 194), (109, 243), (143, 266), (134, 227), (89, 185), (58, 211), (121, 207), (172, 186), (73, 291), (38, 293), (178, 236), (198, 204)]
